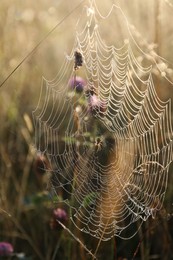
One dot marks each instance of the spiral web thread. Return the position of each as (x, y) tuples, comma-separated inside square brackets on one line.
[(109, 146)]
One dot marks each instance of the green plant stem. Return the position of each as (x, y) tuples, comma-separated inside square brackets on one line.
[(56, 249)]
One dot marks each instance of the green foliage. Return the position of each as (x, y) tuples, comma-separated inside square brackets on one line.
[(89, 199)]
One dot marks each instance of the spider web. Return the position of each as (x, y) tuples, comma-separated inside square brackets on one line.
[(108, 138)]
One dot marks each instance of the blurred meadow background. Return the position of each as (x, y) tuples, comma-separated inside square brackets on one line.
[(27, 214)]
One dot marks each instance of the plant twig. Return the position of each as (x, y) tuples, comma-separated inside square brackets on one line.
[(77, 239)]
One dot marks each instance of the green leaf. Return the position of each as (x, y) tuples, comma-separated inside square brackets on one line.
[(89, 199)]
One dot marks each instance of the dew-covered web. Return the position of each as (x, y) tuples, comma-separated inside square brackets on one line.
[(105, 131)]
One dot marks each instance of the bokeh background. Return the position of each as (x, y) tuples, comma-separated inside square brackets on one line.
[(26, 210)]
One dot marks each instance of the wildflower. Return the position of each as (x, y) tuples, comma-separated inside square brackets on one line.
[(96, 105), (6, 249), (77, 83), (58, 214)]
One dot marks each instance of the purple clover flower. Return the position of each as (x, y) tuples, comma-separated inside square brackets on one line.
[(77, 83), (6, 249), (96, 105), (58, 214), (94, 101)]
